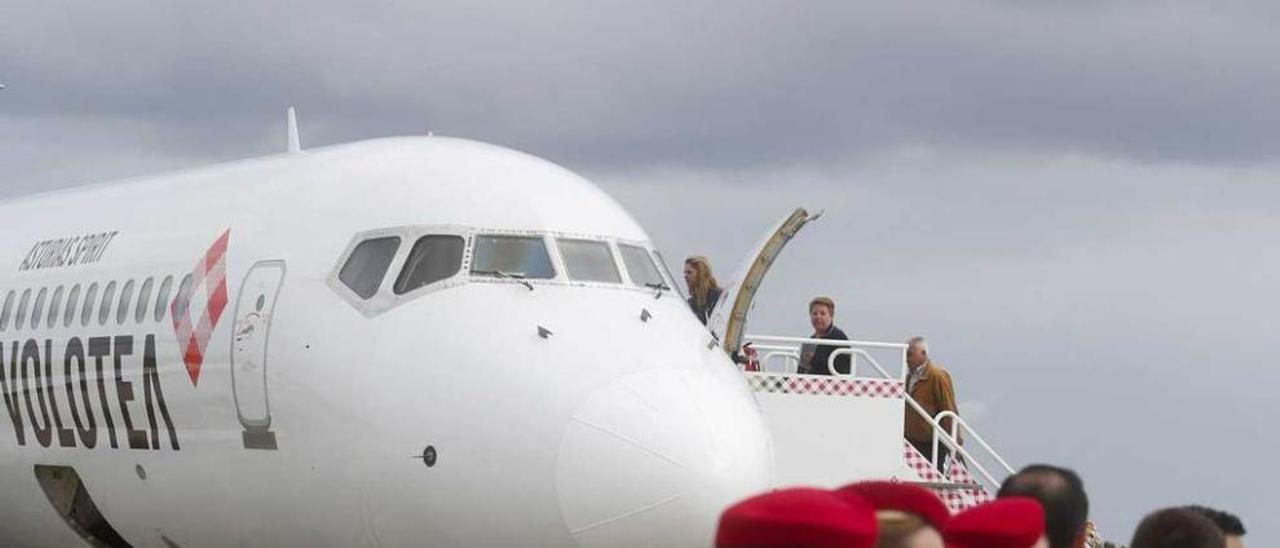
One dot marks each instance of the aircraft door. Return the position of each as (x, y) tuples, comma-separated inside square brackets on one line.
[(728, 320), (255, 306)]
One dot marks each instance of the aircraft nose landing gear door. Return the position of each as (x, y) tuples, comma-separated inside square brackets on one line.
[(254, 307)]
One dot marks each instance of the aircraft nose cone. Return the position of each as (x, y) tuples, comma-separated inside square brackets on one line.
[(654, 458)]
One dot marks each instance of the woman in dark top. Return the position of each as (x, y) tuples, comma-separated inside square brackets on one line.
[(704, 292), (822, 311)]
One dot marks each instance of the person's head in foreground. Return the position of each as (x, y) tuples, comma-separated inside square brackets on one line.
[(1177, 528), (1227, 522), (1061, 493), (1012, 522), (907, 516), (798, 518)]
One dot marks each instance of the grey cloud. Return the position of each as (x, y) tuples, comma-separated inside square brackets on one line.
[(1112, 317), (625, 84)]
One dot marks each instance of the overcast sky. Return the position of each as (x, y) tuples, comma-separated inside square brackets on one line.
[(1076, 202)]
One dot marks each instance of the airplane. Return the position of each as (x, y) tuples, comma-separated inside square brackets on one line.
[(397, 342), (405, 341)]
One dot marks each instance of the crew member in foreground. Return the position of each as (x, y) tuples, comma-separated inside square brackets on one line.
[(799, 517), (907, 516)]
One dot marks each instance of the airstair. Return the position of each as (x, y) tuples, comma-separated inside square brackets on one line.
[(830, 430)]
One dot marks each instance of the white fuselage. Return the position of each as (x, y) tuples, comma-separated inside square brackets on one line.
[(472, 411)]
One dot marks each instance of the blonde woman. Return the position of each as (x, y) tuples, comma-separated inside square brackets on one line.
[(704, 292)]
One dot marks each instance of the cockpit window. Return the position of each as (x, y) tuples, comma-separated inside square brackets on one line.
[(589, 260), (368, 263), (667, 270), (432, 259), (640, 266), (512, 256)]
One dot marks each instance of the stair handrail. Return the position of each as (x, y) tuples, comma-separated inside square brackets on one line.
[(956, 423), (935, 422), (789, 356)]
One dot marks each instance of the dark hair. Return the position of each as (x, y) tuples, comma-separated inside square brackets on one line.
[(1061, 494), (1228, 522), (1177, 528)]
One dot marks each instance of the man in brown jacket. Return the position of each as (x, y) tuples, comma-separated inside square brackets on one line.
[(930, 386)]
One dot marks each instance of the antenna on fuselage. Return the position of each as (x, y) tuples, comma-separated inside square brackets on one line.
[(295, 145)]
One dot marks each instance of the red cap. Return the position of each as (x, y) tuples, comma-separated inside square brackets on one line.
[(798, 518), (1011, 522), (902, 497)]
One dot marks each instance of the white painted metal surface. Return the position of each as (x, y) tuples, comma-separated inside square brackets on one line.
[(609, 430), (829, 441), (862, 434)]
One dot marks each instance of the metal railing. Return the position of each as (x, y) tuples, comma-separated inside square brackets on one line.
[(775, 347), (958, 422)]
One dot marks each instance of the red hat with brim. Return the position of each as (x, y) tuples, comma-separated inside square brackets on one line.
[(798, 518), (901, 497), (1013, 522)]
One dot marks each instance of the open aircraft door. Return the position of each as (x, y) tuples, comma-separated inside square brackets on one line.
[(728, 321), (826, 430), (255, 306)]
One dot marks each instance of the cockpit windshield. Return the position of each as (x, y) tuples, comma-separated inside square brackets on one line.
[(589, 260), (377, 273), (433, 258), (667, 270), (512, 256), (640, 266)]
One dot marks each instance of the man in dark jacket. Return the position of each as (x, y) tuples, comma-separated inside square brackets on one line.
[(822, 312)]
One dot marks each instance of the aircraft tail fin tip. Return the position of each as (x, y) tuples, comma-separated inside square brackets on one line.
[(295, 145)]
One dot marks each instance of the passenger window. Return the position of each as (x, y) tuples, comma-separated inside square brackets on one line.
[(108, 297), (72, 300), (38, 310), (21, 319), (519, 256), (90, 297), (368, 264), (640, 266), (162, 298), (183, 298), (55, 306), (126, 297), (144, 298), (8, 310), (589, 260), (433, 258)]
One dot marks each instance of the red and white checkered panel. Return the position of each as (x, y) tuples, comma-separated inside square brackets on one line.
[(957, 500), (818, 385), (210, 276), (959, 473)]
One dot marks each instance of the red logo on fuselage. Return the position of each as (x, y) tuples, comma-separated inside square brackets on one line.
[(210, 276)]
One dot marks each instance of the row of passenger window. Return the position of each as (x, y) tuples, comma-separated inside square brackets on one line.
[(437, 257), (32, 314)]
